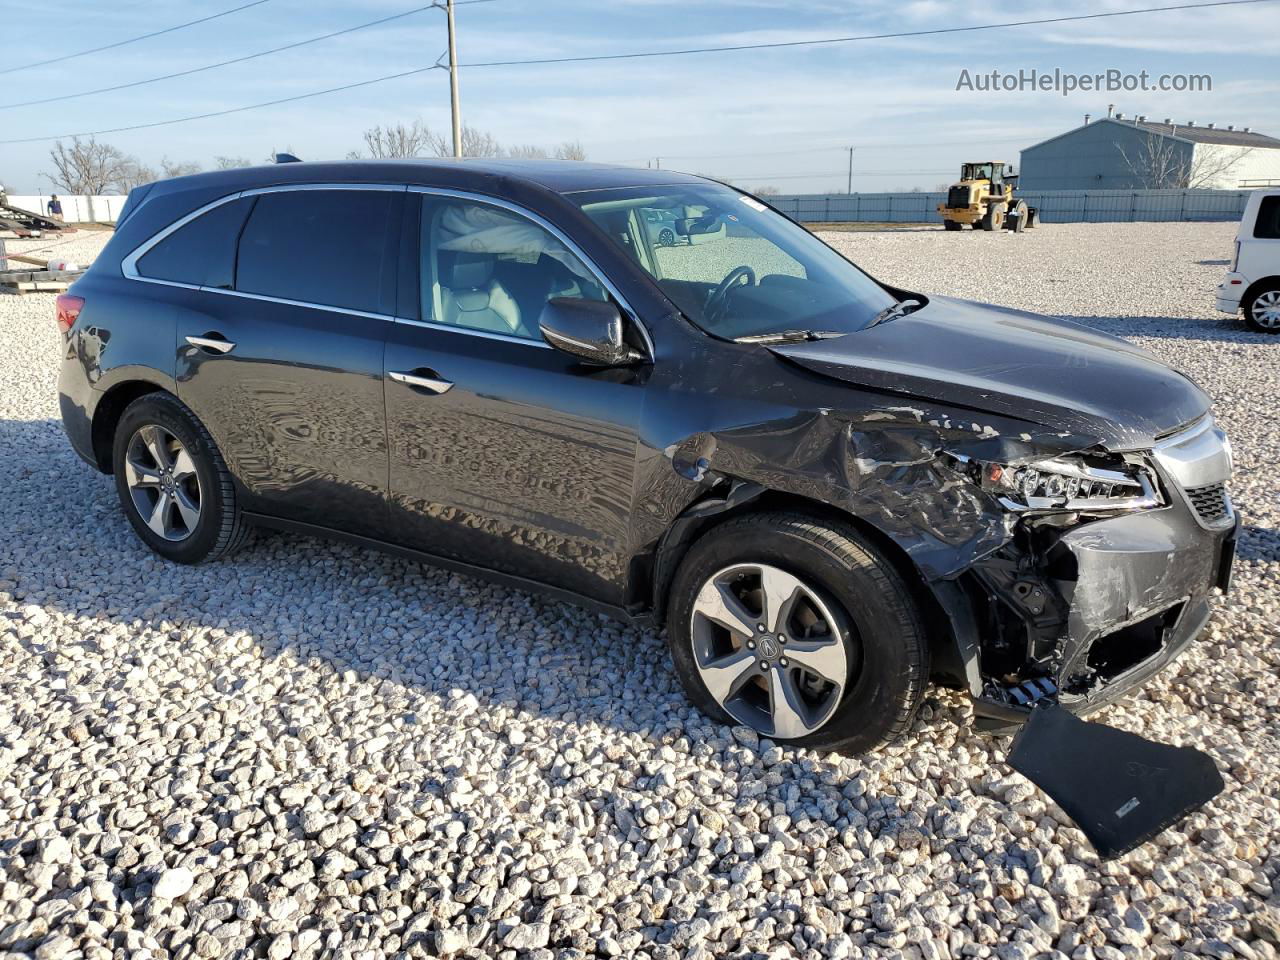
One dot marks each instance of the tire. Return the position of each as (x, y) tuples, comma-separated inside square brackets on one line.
[(952, 224), (1018, 222), (666, 237), (160, 421), (994, 217), (876, 632), (1262, 309)]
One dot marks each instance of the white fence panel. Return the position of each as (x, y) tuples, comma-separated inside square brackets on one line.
[(100, 209)]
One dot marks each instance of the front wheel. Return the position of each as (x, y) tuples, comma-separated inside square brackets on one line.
[(173, 484), (799, 629), (951, 224), (1262, 311)]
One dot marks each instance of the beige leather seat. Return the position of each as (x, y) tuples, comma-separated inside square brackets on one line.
[(471, 297)]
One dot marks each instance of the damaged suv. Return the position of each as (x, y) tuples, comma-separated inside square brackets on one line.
[(829, 490)]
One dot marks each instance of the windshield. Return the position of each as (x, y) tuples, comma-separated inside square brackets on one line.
[(980, 171), (733, 266)]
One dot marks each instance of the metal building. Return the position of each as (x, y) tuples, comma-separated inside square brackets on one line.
[(1119, 153)]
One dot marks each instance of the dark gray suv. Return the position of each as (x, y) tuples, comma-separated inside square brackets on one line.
[(829, 490)]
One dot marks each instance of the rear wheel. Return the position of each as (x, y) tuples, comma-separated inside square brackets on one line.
[(1262, 311), (173, 484), (951, 224), (1018, 219), (799, 629), (666, 238)]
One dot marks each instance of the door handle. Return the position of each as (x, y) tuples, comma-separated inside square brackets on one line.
[(416, 379), (216, 344)]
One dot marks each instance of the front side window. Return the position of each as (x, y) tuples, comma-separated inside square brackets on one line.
[(732, 265), (326, 247), (489, 269), (202, 252)]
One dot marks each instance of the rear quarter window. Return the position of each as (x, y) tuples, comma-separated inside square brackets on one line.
[(327, 247), (202, 252), (1267, 226)]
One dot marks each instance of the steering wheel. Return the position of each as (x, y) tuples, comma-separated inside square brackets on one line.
[(718, 298)]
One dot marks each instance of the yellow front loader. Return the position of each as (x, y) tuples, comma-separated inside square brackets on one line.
[(984, 199)]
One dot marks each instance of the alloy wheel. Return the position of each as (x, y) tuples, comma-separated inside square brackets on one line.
[(1266, 310), (769, 650), (163, 483)]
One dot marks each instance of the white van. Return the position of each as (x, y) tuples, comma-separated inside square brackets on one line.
[(1254, 280)]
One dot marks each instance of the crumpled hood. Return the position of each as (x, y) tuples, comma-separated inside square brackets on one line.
[(1049, 372)]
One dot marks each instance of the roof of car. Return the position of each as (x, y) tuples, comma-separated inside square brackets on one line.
[(559, 176)]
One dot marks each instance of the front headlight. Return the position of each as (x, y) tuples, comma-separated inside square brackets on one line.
[(1066, 485)]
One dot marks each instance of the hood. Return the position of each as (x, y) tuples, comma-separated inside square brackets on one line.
[(1052, 373)]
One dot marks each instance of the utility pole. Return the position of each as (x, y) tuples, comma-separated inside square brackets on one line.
[(659, 163), (453, 82), (851, 149)]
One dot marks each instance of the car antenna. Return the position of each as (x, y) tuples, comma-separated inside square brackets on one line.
[(286, 158)]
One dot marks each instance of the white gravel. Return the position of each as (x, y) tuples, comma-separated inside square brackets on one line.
[(313, 750)]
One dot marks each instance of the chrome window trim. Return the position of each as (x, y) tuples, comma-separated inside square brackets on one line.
[(556, 232), (470, 331), (129, 265)]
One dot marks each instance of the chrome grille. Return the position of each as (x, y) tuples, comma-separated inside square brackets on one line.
[(1211, 502)]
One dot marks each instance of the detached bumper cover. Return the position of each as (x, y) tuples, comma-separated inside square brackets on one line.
[(1120, 789)]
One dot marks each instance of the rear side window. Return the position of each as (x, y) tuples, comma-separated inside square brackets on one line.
[(326, 247), (203, 252), (1267, 226)]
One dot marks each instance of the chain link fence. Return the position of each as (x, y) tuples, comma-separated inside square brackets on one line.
[(1056, 206)]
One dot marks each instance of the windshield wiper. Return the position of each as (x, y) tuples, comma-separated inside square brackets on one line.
[(894, 311), (790, 336)]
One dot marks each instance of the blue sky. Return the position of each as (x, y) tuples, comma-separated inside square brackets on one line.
[(783, 117)]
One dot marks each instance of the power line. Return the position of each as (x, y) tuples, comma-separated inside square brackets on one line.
[(868, 36), (223, 113), (225, 63), (624, 56), (145, 36)]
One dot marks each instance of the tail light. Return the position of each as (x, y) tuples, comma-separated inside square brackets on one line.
[(69, 308)]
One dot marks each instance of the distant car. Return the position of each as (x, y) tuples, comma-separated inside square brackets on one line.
[(829, 490), (1254, 281)]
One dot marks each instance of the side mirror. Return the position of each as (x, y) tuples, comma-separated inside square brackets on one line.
[(587, 329)]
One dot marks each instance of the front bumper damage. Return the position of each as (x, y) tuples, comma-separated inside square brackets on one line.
[(1082, 614), (1112, 603)]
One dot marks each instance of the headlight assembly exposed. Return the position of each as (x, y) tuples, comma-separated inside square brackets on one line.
[(1066, 484)]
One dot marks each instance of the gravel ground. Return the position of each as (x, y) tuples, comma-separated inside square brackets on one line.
[(314, 750)]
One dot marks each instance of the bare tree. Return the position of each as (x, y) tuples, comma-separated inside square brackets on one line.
[(475, 143), (571, 150), (1159, 164), (178, 168), (134, 173), (527, 151), (401, 140), (231, 163), (1211, 164), (87, 167), (765, 191)]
